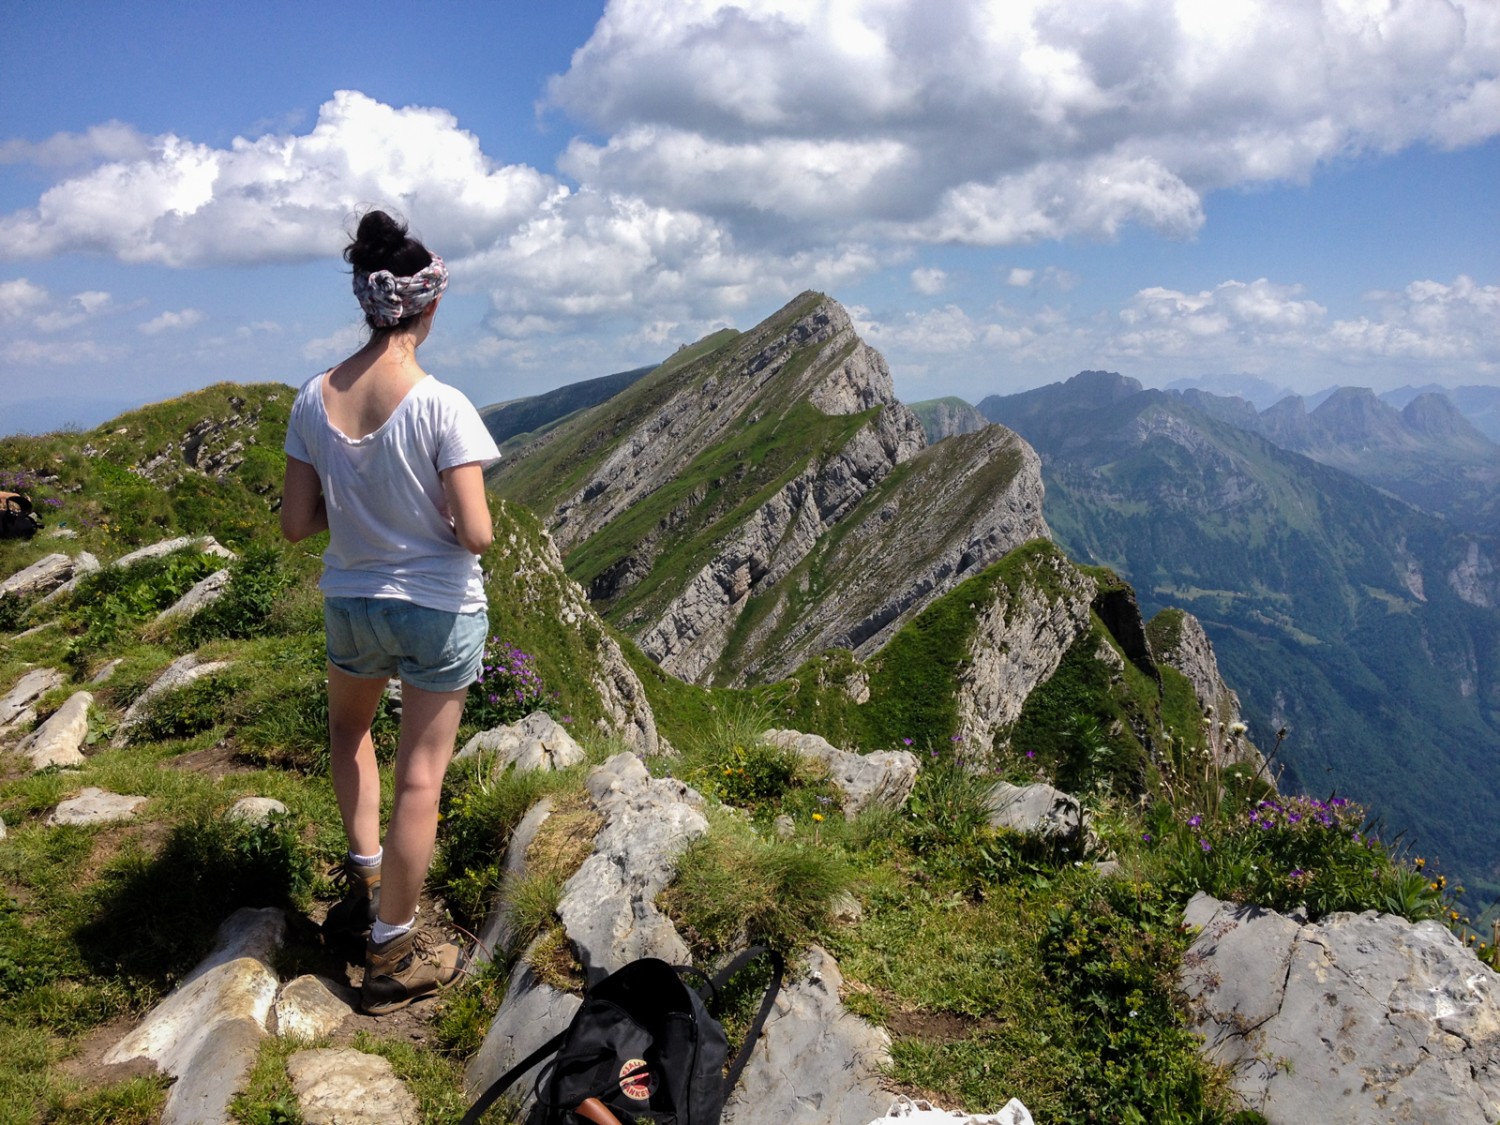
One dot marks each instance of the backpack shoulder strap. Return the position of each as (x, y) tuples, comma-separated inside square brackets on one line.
[(508, 1079), (752, 1033)]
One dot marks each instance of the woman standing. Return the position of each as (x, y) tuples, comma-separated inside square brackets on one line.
[(390, 462)]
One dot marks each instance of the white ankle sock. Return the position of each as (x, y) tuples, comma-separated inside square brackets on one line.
[(382, 932), (366, 860)]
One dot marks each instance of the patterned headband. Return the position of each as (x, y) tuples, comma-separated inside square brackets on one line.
[(388, 299)]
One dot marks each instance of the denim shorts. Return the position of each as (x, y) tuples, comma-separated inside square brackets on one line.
[(431, 649)]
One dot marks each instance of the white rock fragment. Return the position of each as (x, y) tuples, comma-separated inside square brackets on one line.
[(925, 1113), (311, 1007), (537, 742), (205, 592), (95, 806), (349, 1087), (181, 672), (60, 740), (27, 690)]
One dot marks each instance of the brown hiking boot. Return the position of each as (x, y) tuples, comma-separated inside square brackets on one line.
[(350, 919), (406, 968)]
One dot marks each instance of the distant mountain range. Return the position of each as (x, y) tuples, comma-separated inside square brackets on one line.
[(1364, 626)]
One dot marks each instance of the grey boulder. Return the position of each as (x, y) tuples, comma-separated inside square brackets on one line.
[(1358, 1018)]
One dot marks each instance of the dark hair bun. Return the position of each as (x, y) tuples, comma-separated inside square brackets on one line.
[(381, 243)]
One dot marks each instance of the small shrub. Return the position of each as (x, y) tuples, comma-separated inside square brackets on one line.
[(256, 578)]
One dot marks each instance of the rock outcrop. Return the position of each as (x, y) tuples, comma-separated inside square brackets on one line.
[(537, 742), (1359, 1018), (1178, 640), (207, 1032), (881, 777), (1019, 639), (815, 1062)]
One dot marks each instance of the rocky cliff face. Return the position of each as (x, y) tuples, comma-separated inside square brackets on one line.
[(714, 507)]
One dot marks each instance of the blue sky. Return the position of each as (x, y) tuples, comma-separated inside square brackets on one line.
[(1002, 192)]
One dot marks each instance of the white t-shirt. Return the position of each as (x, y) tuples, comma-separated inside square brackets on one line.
[(389, 531)]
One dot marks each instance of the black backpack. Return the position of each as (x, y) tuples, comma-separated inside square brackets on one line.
[(642, 1047), (17, 519)]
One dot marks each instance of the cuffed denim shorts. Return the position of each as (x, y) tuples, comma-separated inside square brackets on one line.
[(431, 649)]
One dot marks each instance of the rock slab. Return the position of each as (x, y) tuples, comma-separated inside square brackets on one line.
[(816, 1063), (207, 1032), (26, 691), (1358, 1018), (349, 1087), (95, 806), (311, 1007), (537, 742), (609, 906), (60, 740), (925, 1113), (883, 777)]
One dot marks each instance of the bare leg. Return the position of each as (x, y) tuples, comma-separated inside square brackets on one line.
[(352, 701), (429, 724)]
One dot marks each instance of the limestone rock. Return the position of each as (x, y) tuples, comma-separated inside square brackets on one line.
[(537, 742), (349, 1087), (26, 691), (1019, 639), (60, 740), (531, 1013), (179, 673), (925, 1113), (956, 508), (95, 806), (207, 544), (105, 671), (609, 907), (883, 777), (1182, 644), (84, 564), (1356, 1018), (1039, 811), (207, 1032), (311, 1007), (205, 592), (497, 934), (47, 573), (815, 1063), (256, 810)]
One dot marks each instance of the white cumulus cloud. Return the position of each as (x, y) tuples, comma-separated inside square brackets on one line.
[(171, 321), (928, 282), (281, 197), (1005, 121)]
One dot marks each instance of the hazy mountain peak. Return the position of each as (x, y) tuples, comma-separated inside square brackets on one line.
[(1433, 415), (1103, 388)]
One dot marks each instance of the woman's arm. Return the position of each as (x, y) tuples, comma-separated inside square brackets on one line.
[(302, 510), (468, 507)]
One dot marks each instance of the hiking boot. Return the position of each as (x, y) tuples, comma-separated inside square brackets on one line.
[(406, 968), (350, 919)]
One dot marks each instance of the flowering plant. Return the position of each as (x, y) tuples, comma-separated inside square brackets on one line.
[(1294, 852), (509, 687)]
